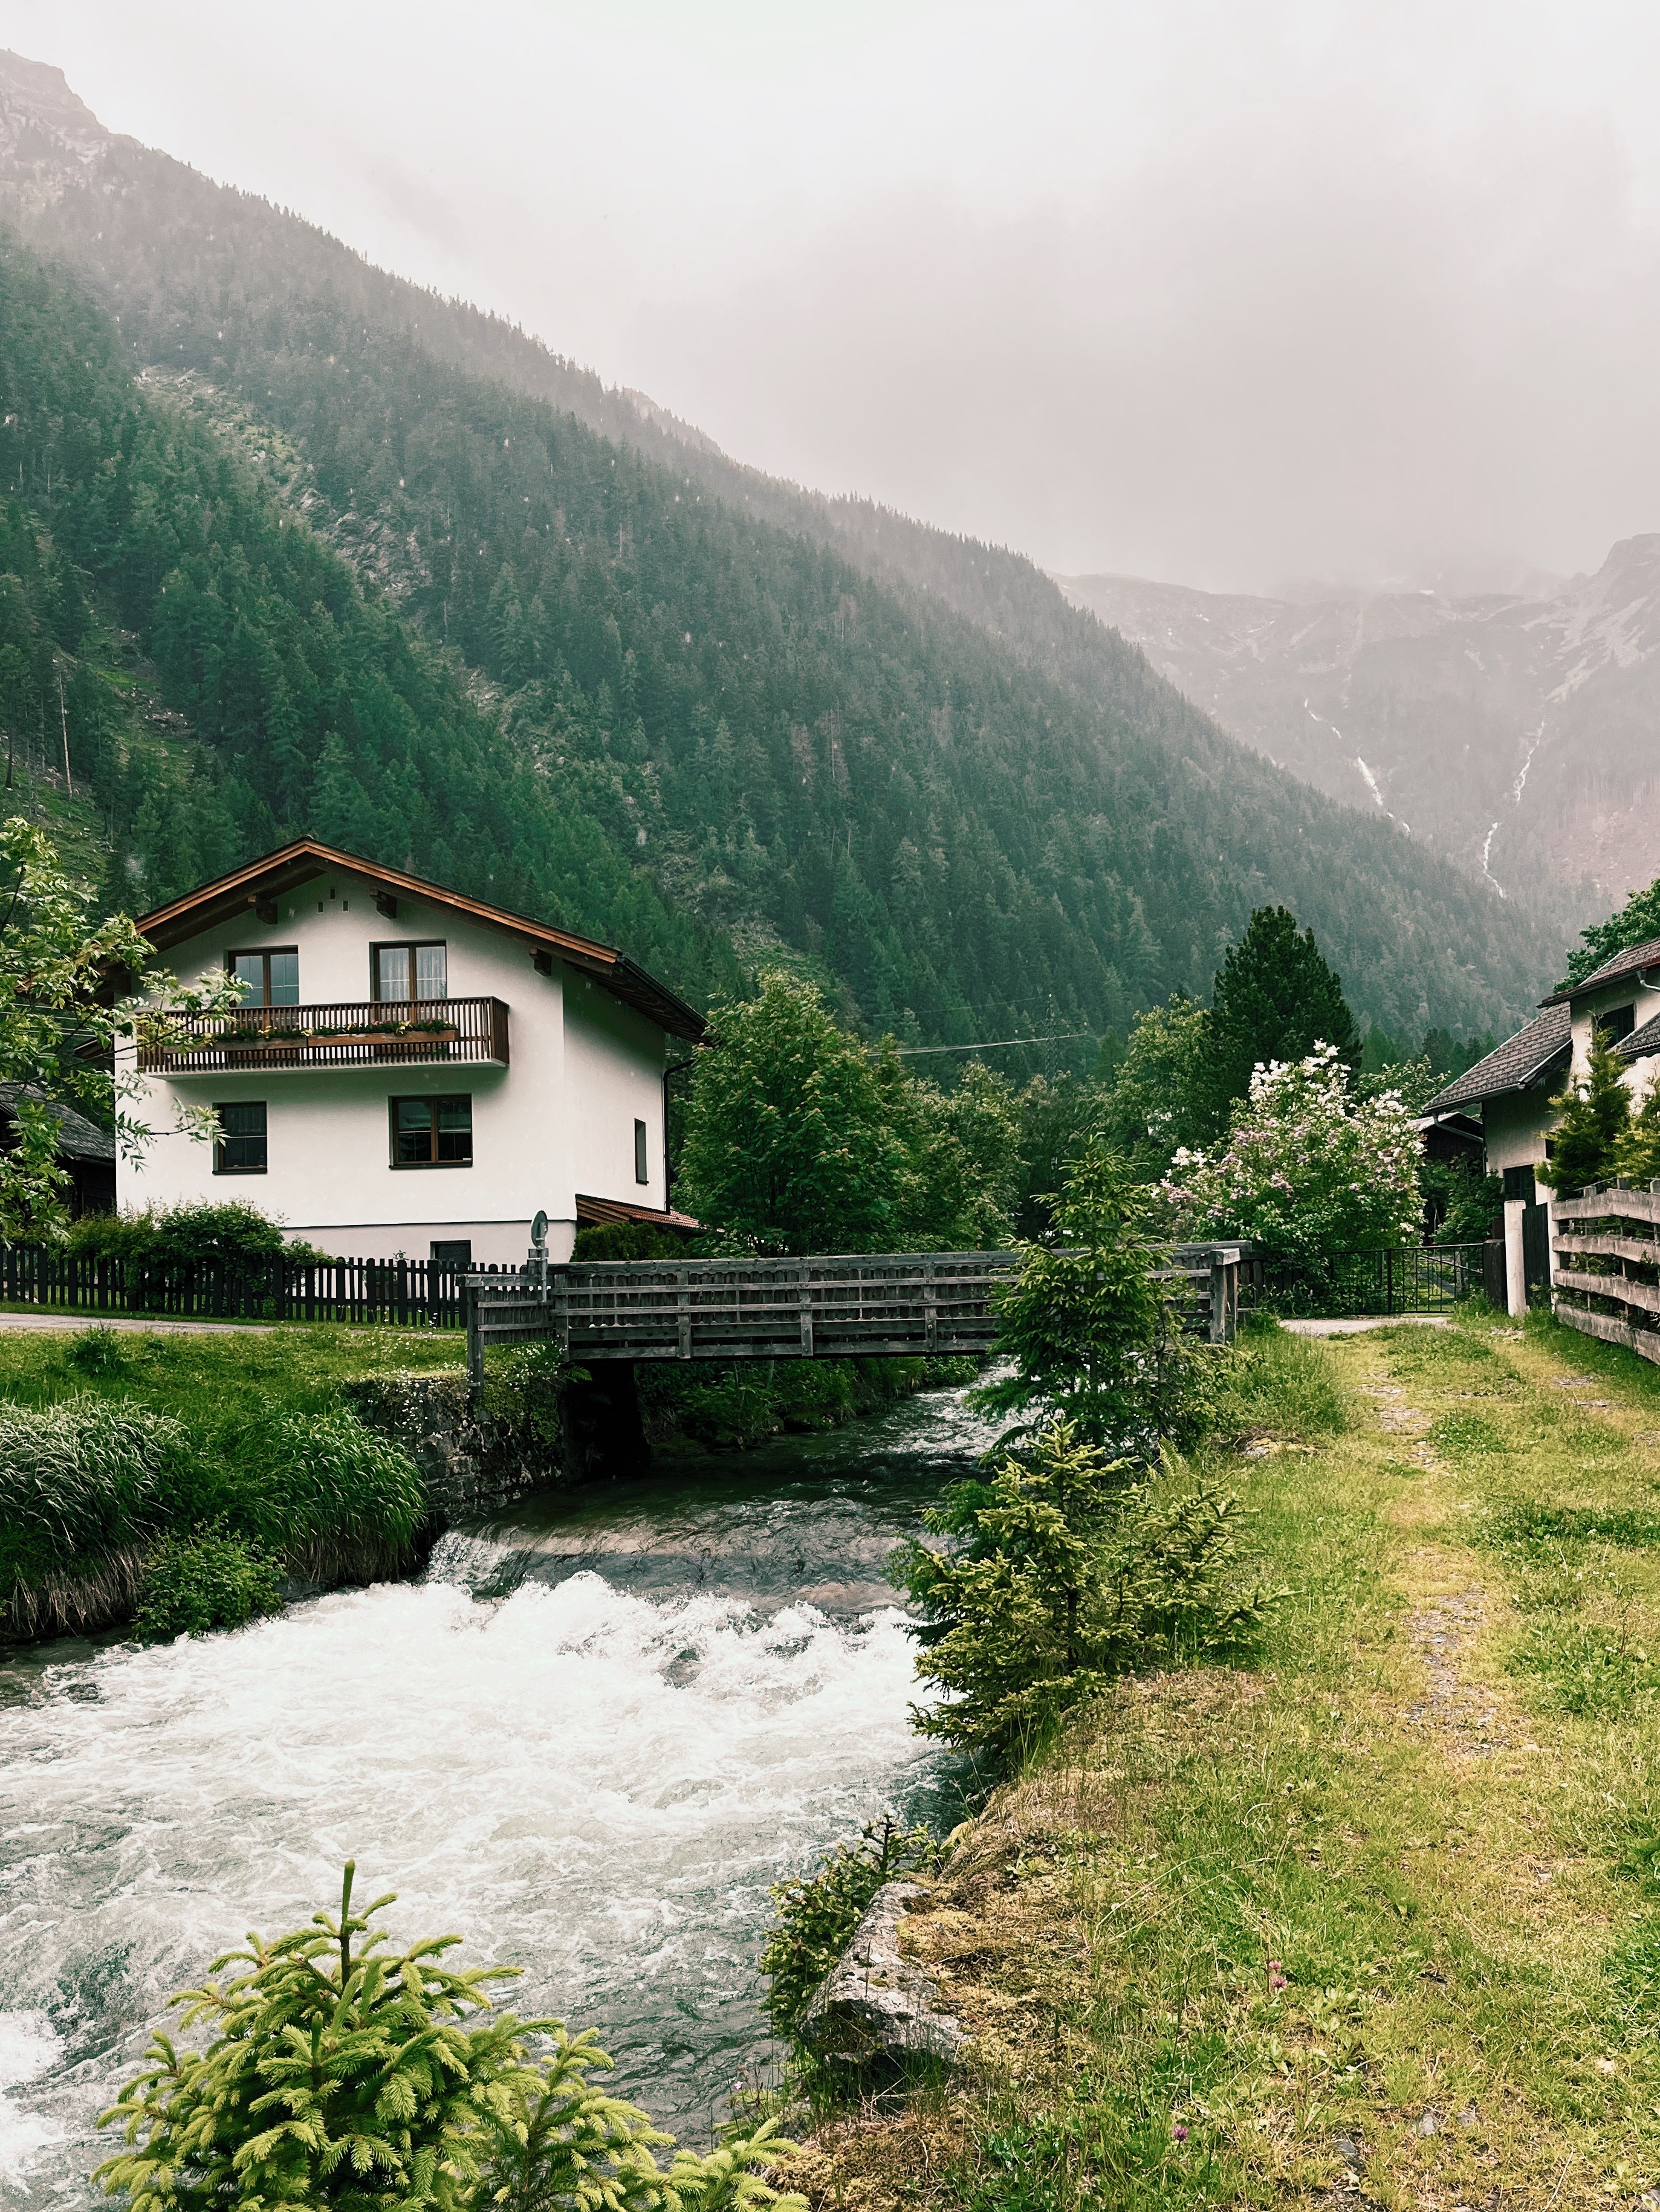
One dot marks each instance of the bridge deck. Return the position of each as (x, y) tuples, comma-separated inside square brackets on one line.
[(833, 1307)]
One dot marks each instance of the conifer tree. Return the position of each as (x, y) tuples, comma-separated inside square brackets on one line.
[(1087, 1325), (1636, 1156), (1274, 998), (1067, 1580), (1596, 1110), (341, 2077)]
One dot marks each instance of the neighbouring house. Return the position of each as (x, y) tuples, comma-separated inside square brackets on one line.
[(85, 1150), (410, 1071), (1510, 1092)]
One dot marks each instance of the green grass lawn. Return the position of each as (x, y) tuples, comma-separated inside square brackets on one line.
[(119, 1444), (1377, 1920), (210, 1380)]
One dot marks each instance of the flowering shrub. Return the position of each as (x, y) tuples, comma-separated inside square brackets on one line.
[(1307, 1167)]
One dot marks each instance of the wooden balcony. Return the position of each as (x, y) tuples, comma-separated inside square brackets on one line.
[(384, 1033)]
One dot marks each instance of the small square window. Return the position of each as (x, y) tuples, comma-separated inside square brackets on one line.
[(432, 1132), (239, 1148), (641, 1170)]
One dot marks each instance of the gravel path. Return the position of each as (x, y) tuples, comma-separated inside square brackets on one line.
[(1370, 1320), (133, 1324)]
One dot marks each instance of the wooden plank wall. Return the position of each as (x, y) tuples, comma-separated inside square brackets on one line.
[(1607, 1250)]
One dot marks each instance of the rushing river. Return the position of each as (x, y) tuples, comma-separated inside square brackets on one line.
[(588, 1740)]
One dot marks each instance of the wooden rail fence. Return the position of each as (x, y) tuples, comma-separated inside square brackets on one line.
[(835, 1306), (1606, 1280)]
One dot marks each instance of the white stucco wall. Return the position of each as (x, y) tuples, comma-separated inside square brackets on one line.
[(1515, 1128), (558, 1119), (1591, 1009), (614, 1062)]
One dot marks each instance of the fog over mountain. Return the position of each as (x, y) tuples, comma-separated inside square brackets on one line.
[(1226, 293), (671, 697), (1517, 730)]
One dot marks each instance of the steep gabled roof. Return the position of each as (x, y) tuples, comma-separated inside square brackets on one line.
[(1646, 955), (268, 879), (77, 1138), (1517, 1063), (1640, 1043)]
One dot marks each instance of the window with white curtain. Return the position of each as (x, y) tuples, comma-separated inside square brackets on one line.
[(396, 967)]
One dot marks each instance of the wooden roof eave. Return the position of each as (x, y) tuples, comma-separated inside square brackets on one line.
[(266, 880)]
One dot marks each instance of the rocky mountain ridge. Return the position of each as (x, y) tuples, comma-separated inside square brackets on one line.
[(1517, 732)]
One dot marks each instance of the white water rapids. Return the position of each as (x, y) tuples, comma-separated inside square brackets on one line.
[(596, 1776)]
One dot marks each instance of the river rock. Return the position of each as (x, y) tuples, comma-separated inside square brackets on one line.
[(875, 2002)]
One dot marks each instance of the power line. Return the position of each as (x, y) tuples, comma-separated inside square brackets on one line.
[(997, 1044)]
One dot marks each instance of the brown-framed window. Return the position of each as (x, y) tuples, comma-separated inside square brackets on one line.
[(410, 971), (641, 1166), (240, 1148), (1618, 1021), (272, 975), (432, 1132)]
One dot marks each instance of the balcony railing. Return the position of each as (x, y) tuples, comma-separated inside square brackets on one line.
[(376, 1033)]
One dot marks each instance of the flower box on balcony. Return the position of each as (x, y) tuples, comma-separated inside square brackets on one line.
[(407, 1033)]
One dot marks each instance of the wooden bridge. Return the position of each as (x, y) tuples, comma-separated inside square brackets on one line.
[(835, 1307)]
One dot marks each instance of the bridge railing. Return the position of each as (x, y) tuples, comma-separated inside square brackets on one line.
[(829, 1306)]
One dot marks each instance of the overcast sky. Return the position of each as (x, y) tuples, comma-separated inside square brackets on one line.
[(1224, 293)]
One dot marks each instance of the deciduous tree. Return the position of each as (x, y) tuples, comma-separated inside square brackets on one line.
[(70, 989), (1309, 1165)]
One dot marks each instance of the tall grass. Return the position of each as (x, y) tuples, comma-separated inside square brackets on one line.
[(320, 1490), (1275, 1383), (84, 1475), (84, 1489), (92, 1487)]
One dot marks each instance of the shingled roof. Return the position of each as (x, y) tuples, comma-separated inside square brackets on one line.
[(1646, 955), (1516, 1064), (1641, 1042), (77, 1138)]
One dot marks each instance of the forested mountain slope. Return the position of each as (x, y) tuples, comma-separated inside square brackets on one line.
[(224, 682), (799, 753)]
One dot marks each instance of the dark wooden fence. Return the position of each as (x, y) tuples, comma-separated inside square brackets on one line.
[(408, 1293), (1608, 1265), (1338, 1285)]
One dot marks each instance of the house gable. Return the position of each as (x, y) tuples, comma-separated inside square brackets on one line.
[(265, 888)]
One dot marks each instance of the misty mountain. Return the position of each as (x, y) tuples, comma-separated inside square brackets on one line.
[(1516, 731), (808, 725)]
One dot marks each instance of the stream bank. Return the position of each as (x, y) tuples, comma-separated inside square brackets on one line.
[(241, 1435), (1374, 1919), (590, 1737)]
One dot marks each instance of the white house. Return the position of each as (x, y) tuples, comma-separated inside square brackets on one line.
[(1511, 1089), (409, 1071)]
